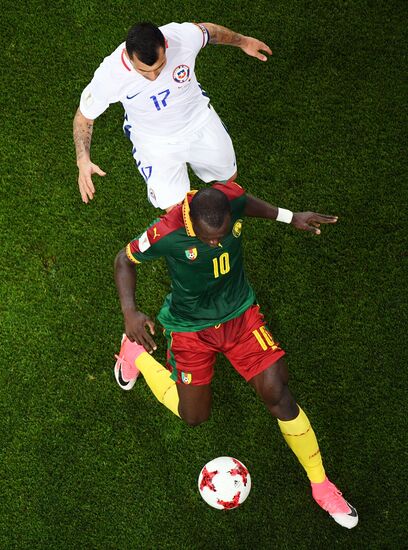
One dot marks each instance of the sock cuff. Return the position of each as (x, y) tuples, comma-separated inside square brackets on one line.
[(296, 427), (145, 360)]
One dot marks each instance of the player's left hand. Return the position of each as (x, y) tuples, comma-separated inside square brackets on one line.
[(310, 221), (253, 47)]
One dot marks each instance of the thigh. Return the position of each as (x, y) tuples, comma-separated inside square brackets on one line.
[(164, 170), (250, 346), (191, 363), (211, 154), (195, 403), (189, 359)]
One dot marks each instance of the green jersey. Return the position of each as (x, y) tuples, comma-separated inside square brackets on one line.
[(208, 285)]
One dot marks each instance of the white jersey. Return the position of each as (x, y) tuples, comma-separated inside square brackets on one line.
[(168, 106)]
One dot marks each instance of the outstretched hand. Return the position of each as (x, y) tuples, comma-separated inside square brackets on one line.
[(310, 221), (135, 328), (86, 186), (253, 47)]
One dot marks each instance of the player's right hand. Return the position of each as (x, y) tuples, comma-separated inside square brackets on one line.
[(85, 183), (135, 328)]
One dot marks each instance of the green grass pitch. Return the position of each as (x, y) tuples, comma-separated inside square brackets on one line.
[(320, 126)]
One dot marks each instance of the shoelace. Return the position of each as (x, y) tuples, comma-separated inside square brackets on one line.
[(121, 359), (333, 502)]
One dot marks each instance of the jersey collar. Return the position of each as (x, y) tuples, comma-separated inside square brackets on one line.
[(125, 60), (186, 214)]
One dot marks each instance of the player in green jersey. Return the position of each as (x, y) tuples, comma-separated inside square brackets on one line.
[(212, 309)]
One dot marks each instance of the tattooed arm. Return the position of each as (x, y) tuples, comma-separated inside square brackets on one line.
[(251, 46), (82, 138)]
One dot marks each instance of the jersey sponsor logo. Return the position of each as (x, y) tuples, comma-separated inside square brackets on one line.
[(186, 377), (191, 254), (181, 73), (155, 233), (237, 228), (144, 242)]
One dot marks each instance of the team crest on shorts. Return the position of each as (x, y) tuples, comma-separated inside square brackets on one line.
[(191, 254), (181, 73), (186, 377), (237, 229)]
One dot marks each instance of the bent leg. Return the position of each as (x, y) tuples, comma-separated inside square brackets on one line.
[(191, 403), (164, 171), (272, 387), (159, 380), (211, 154), (195, 403), (296, 429), (191, 362)]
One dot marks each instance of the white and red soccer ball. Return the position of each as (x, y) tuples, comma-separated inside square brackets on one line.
[(224, 483)]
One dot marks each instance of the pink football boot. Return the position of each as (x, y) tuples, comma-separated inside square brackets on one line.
[(330, 499), (125, 369)]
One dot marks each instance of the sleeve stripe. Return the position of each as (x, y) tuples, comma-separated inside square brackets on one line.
[(206, 34), (130, 255)]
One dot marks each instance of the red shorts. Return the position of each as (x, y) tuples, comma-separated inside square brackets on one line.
[(245, 341)]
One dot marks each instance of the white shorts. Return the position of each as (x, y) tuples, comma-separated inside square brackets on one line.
[(163, 163)]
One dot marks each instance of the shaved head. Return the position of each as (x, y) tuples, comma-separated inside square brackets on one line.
[(210, 213), (211, 207)]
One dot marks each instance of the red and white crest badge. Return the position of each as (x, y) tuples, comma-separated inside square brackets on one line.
[(181, 73)]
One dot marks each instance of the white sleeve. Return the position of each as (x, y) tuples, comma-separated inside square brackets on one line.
[(98, 95), (195, 35)]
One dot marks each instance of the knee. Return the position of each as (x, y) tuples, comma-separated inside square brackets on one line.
[(274, 393), (281, 403), (194, 419), (194, 404), (272, 386)]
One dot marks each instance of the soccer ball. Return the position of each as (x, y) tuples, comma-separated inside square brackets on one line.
[(224, 483)]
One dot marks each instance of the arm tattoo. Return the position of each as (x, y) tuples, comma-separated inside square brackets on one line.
[(222, 35), (82, 135)]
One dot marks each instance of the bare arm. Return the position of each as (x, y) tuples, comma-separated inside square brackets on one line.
[(251, 46), (135, 321), (82, 129), (305, 221)]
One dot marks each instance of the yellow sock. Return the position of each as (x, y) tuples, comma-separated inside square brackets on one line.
[(300, 437), (158, 379)]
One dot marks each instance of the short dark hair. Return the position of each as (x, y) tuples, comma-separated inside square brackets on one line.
[(210, 206), (145, 40)]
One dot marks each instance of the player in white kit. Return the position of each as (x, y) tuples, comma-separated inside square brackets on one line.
[(168, 117)]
